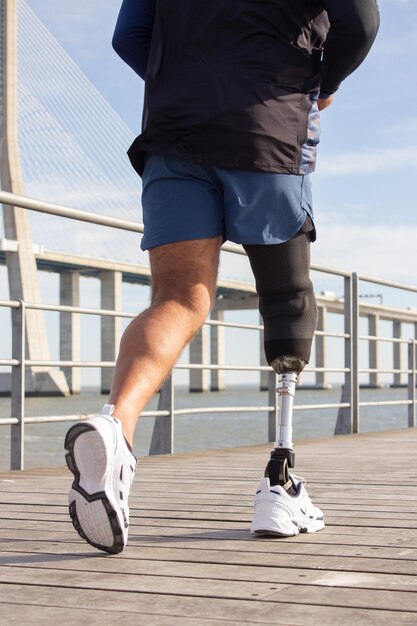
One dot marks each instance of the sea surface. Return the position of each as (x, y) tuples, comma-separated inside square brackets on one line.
[(44, 442)]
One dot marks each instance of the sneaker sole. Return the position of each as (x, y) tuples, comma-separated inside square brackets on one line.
[(93, 514), (267, 527)]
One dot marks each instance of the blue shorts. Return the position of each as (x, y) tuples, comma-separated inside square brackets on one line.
[(183, 201)]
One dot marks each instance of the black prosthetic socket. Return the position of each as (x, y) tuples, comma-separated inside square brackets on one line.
[(286, 298), (277, 469)]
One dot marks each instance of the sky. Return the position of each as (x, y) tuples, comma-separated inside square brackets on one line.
[(364, 191)]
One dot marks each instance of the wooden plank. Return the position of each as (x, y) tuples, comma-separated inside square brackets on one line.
[(26, 614), (234, 568), (215, 550), (178, 585), (245, 611)]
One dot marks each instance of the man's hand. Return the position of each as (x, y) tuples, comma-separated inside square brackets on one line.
[(323, 103)]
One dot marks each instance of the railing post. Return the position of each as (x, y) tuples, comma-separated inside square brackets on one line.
[(272, 401), (217, 352), (69, 328), (412, 384), (346, 417), (264, 379), (17, 448), (111, 297), (162, 441), (373, 331), (199, 353), (321, 348), (397, 353), (355, 355)]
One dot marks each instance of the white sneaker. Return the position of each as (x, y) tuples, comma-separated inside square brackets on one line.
[(103, 466), (280, 514)]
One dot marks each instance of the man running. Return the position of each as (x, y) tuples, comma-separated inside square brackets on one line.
[(230, 132)]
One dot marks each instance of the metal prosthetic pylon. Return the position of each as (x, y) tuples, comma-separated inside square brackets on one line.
[(283, 457)]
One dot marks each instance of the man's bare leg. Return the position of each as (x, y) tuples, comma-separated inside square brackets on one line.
[(183, 287), (184, 278)]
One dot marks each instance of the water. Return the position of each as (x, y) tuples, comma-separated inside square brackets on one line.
[(44, 442)]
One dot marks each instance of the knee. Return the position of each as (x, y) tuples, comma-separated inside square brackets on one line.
[(193, 301), (293, 301)]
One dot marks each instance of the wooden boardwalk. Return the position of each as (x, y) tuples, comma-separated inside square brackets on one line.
[(190, 559)]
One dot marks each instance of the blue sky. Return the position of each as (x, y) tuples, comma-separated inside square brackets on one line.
[(364, 185)]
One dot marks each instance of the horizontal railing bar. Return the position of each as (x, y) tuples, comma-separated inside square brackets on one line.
[(244, 409), (327, 405), (8, 362), (44, 419), (207, 366), (104, 364), (203, 410), (386, 283), (325, 269), (61, 308), (386, 403), (325, 333), (323, 370), (189, 366), (225, 409), (10, 304), (233, 325), (73, 214), (386, 339), (258, 409), (254, 368), (379, 371), (9, 421)]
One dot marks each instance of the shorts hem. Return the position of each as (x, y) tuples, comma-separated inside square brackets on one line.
[(155, 242)]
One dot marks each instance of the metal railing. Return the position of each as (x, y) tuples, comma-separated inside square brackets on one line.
[(348, 420)]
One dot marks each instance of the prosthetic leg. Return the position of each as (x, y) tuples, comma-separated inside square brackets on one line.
[(283, 457), (288, 307), (287, 304)]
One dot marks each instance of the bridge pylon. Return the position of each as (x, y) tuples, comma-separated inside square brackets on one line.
[(20, 260)]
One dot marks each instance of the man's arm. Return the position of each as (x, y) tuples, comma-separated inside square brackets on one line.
[(133, 32), (353, 28)]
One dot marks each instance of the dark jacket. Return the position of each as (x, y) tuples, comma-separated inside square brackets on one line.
[(234, 83)]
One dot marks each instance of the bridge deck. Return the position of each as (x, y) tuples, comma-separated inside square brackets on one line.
[(190, 559)]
